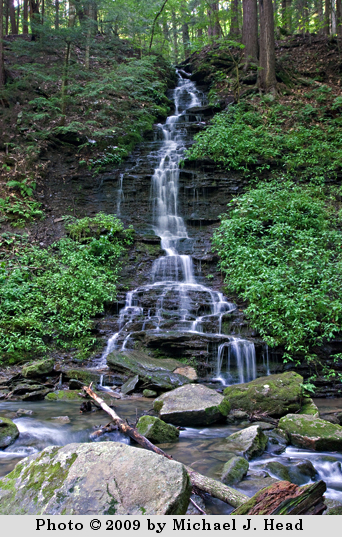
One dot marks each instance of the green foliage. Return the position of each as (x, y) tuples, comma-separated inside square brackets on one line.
[(26, 186), (244, 137), (279, 247), (18, 211), (48, 296)]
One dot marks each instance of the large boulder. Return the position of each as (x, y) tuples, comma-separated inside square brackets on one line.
[(249, 443), (8, 432), (95, 479), (234, 470), (156, 430), (276, 394), (192, 405), (155, 373), (39, 368), (306, 431)]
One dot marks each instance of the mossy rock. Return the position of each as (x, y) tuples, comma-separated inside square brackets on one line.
[(249, 443), (149, 393), (276, 395), (234, 470), (64, 395), (38, 368), (309, 408), (85, 376), (95, 479), (8, 432), (156, 430), (313, 433)]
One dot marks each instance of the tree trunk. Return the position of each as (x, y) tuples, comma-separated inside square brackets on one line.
[(339, 22), (327, 17), (65, 78), (234, 27), (267, 78), (176, 48), (34, 18), (250, 31), (14, 29), (208, 485), (213, 12), (333, 18), (2, 68), (26, 14), (319, 7), (154, 23), (57, 15), (185, 30)]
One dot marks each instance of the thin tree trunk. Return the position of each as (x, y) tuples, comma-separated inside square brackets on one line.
[(267, 78), (327, 17), (18, 16), (14, 29), (250, 31), (65, 78), (333, 18), (6, 16), (208, 485), (2, 68), (176, 48), (153, 24), (234, 27), (57, 15), (43, 12), (339, 22), (214, 27), (185, 30), (25, 25), (319, 7)]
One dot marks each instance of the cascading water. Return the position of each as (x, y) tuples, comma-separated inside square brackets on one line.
[(175, 291)]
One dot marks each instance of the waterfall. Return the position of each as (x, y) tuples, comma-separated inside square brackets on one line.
[(177, 296)]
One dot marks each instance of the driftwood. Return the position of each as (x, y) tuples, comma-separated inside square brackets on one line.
[(198, 481), (284, 498)]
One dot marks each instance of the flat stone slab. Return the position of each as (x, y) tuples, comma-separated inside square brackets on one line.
[(95, 479), (156, 373), (192, 405), (306, 431)]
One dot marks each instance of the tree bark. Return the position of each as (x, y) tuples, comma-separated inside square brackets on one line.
[(267, 78), (25, 21), (208, 485), (319, 7), (2, 68), (57, 15), (214, 26), (327, 17), (234, 27), (333, 18), (250, 31), (153, 24), (176, 48), (185, 30), (339, 21), (14, 29)]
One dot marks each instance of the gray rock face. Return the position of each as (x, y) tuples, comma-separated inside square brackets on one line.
[(8, 432), (306, 431), (95, 479), (234, 470), (130, 385), (157, 373), (249, 443), (156, 430), (192, 405), (38, 368)]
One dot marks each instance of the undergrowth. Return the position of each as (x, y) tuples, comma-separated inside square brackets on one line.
[(49, 296)]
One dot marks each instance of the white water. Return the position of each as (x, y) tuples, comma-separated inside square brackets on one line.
[(177, 295)]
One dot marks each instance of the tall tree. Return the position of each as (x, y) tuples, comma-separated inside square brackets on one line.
[(175, 43), (26, 15), (234, 27), (14, 29), (214, 26), (250, 31), (185, 29), (267, 78), (2, 69), (339, 21), (327, 17)]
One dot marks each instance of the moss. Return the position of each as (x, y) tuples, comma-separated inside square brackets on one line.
[(38, 368), (156, 430), (310, 432), (64, 395), (224, 407), (158, 404)]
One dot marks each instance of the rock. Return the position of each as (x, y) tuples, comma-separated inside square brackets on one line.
[(62, 420), (187, 371), (40, 368), (23, 388), (333, 508), (84, 376), (156, 430), (309, 408), (249, 443), (35, 395), (74, 384), (157, 373), (276, 394), (234, 470), (21, 412), (64, 395), (130, 385), (192, 405), (8, 432), (302, 472), (305, 431), (149, 393), (278, 469), (235, 416), (95, 479)]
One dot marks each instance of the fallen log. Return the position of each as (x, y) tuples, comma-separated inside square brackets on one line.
[(208, 485), (285, 498), (105, 429)]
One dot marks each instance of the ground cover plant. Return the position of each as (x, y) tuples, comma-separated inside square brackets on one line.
[(48, 296)]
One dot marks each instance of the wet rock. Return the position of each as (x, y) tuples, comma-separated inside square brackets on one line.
[(156, 373), (23, 388), (74, 384), (78, 479), (234, 470), (61, 420), (333, 508), (156, 430), (85, 376), (334, 417), (249, 443), (40, 368), (305, 431), (278, 469), (21, 412), (149, 393), (192, 510), (64, 395), (130, 385), (275, 395), (8, 432), (35, 395), (302, 472), (309, 408), (187, 371), (235, 416), (192, 405)]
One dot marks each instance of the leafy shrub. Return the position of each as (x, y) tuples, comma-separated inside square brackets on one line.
[(279, 249), (49, 296)]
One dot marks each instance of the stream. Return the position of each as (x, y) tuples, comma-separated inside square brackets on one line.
[(173, 305)]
